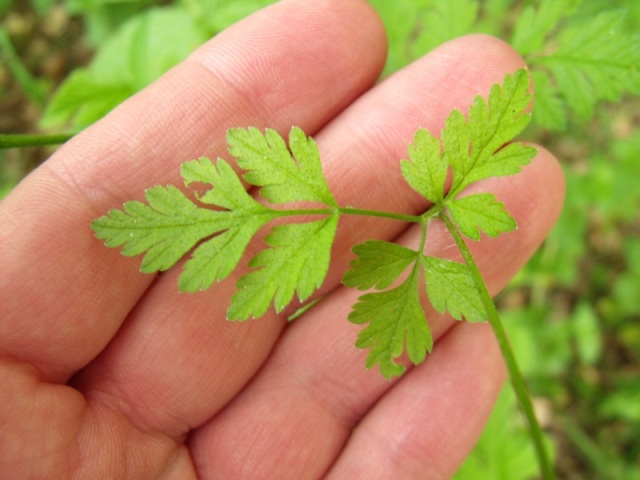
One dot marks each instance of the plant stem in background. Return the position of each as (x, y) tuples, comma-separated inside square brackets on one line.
[(14, 140), (517, 379), (35, 89)]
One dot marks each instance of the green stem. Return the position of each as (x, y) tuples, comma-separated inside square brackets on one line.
[(353, 211), (376, 213), (15, 140), (517, 380)]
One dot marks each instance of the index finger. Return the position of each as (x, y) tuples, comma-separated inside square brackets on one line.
[(62, 294)]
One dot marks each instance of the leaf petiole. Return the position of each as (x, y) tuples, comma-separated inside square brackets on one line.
[(17, 140), (354, 211), (517, 379), (380, 214)]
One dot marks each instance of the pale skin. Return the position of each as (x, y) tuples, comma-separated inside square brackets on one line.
[(110, 373)]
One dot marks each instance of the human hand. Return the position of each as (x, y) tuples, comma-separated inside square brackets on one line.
[(110, 373)]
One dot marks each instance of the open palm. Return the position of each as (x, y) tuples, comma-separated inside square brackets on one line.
[(109, 373)]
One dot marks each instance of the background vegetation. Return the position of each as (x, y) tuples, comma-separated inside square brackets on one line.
[(574, 312)]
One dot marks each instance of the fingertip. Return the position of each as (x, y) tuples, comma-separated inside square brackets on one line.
[(476, 61), (544, 199), (340, 42)]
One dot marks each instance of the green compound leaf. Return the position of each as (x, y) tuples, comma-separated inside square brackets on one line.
[(426, 171), (285, 176), (396, 319), (481, 212), (297, 262), (535, 23), (297, 257), (378, 265), (595, 60), (166, 229), (475, 149), (451, 288), (578, 58), (171, 225)]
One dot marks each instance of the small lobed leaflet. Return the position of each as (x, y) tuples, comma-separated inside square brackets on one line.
[(378, 264), (396, 320), (216, 258), (285, 176), (480, 212), (218, 224), (297, 261), (451, 288)]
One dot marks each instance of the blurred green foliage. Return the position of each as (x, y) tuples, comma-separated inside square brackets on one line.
[(134, 50), (141, 50), (573, 313)]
